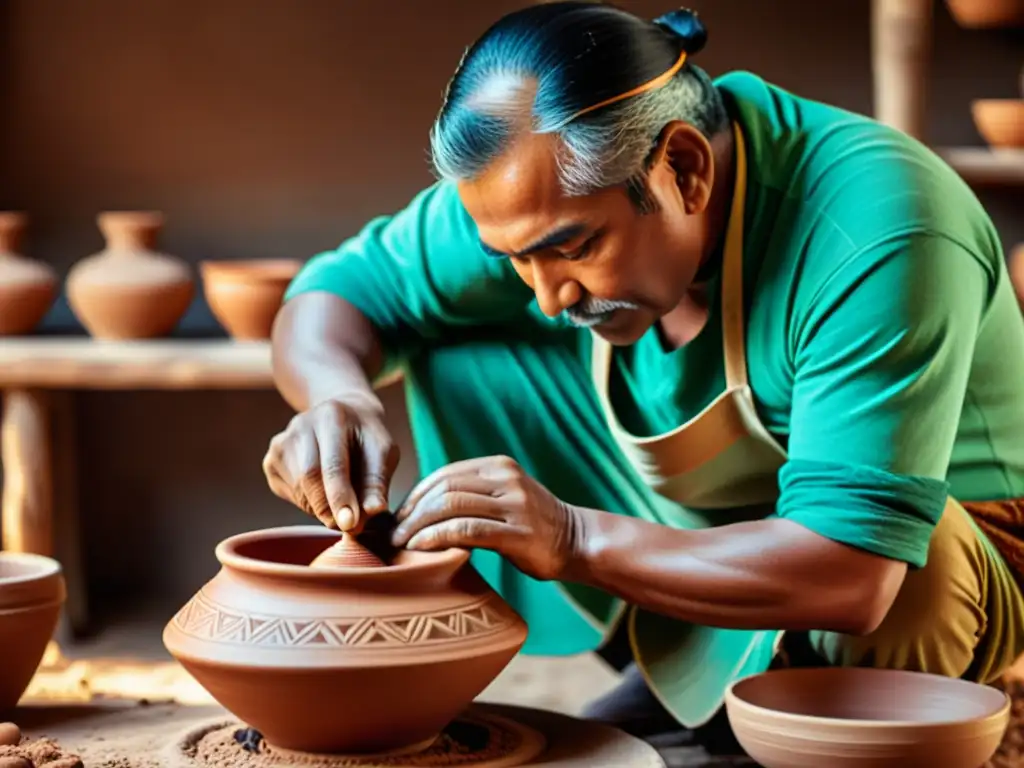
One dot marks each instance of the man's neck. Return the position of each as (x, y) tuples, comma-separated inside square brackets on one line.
[(680, 326)]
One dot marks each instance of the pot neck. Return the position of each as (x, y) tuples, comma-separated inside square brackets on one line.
[(12, 228), (130, 231)]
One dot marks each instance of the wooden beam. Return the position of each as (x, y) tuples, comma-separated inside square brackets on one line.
[(983, 167), (85, 363), (26, 514), (901, 46), (67, 544)]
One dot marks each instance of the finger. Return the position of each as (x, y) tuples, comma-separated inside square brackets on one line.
[(445, 474), (334, 446), (435, 508), (468, 532), (380, 459)]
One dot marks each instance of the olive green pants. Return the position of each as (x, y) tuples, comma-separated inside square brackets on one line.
[(961, 616)]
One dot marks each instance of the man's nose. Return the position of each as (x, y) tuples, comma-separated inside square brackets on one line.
[(555, 291)]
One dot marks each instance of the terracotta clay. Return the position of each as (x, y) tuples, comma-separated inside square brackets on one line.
[(1000, 121), (987, 13), (343, 660), (1016, 266), (347, 553), (27, 287), (866, 718), (31, 595), (245, 296), (129, 290)]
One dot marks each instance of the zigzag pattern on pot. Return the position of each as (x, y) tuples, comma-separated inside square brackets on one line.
[(203, 618)]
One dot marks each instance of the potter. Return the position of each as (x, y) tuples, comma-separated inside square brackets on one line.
[(702, 365)]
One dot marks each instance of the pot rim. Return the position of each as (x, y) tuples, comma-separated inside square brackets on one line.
[(248, 270), (422, 564), (42, 567), (734, 698)]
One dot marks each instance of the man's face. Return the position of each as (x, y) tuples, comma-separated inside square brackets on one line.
[(597, 260)]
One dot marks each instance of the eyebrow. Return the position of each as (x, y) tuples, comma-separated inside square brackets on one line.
[(556, 237)]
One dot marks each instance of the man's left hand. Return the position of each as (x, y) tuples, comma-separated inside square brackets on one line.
[(491, 503)]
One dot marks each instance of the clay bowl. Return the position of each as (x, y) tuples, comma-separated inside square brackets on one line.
[(975, 14), (1000, 121), (31, 596), (343, 660), (866, 718), (245, 296)]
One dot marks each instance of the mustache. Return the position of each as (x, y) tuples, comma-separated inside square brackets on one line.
[(591, 311)]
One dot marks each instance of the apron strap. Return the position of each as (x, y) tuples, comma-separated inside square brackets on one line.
[(733, 330)]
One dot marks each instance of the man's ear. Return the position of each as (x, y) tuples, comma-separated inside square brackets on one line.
[(683, 158)]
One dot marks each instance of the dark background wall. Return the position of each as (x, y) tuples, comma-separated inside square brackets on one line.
[(267, 128)]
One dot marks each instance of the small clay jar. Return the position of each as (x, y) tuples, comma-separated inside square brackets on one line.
[(27, 287), (129, 290), (32, 592), (245, 296), (978, 14), (1016, 267)]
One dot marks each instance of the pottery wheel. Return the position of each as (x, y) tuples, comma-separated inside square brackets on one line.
[(485, 736)]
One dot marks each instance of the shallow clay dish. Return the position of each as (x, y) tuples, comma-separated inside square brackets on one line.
[(1000, 121), (866, 718), (343, 660), (245, 296), (31, 596), (987, 13)]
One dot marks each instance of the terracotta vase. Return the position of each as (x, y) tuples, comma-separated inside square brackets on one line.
[(129, 290), (342, 660), (1016, 267), (849, 717), (27, 287), (31, 595), (976, 14), (245, 296), (1000, 121)]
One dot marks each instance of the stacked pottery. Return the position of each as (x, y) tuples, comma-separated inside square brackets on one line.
[(27, 287), (32, 593), (326, 648), (129, 290), (245, 296)]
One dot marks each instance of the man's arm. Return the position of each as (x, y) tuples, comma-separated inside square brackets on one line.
[(881, 369)]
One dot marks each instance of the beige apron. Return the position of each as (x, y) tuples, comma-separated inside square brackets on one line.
[(722, 459)]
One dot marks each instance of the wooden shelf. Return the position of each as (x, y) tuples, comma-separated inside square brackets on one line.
[(986, 167), (85, 363)]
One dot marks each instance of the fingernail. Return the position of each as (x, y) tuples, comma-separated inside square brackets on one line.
[(396, 537), (375, 502), (345, 518)]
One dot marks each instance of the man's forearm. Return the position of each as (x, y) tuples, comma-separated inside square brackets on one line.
[(324, 348), (769, 574)]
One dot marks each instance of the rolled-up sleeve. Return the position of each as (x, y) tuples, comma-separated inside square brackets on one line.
[(881, 362), (417, 273)]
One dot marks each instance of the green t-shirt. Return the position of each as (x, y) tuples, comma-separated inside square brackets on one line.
[(885, 347)]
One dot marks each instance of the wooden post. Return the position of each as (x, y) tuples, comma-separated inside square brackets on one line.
[(26, 520), (901, 32), (67, 528)]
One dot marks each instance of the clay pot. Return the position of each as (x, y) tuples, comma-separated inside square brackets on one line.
[(129, 290), (245, 296), (27, 287), (342, 660), (975, 14), (31, 596), (866, 718), (1000, 121), (1016, 267)]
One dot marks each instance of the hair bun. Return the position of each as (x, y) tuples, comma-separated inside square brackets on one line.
[(687, 26)]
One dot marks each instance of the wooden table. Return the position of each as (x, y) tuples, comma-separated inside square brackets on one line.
[(38, 376)]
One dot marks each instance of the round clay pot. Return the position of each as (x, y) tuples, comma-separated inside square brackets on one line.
[(1000, 121), (1016, 267), (27, 287), (129, 290), (31, 596), (866, 718), (342, 660), (975, 14), (245, 296)]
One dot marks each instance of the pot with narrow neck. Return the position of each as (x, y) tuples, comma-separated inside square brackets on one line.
[(371, 655), (130, 290), (27, 287)]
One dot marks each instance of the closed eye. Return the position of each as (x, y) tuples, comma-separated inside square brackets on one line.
[(584, 250)]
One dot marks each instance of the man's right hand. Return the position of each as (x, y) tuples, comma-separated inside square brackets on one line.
[(335, 462)]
